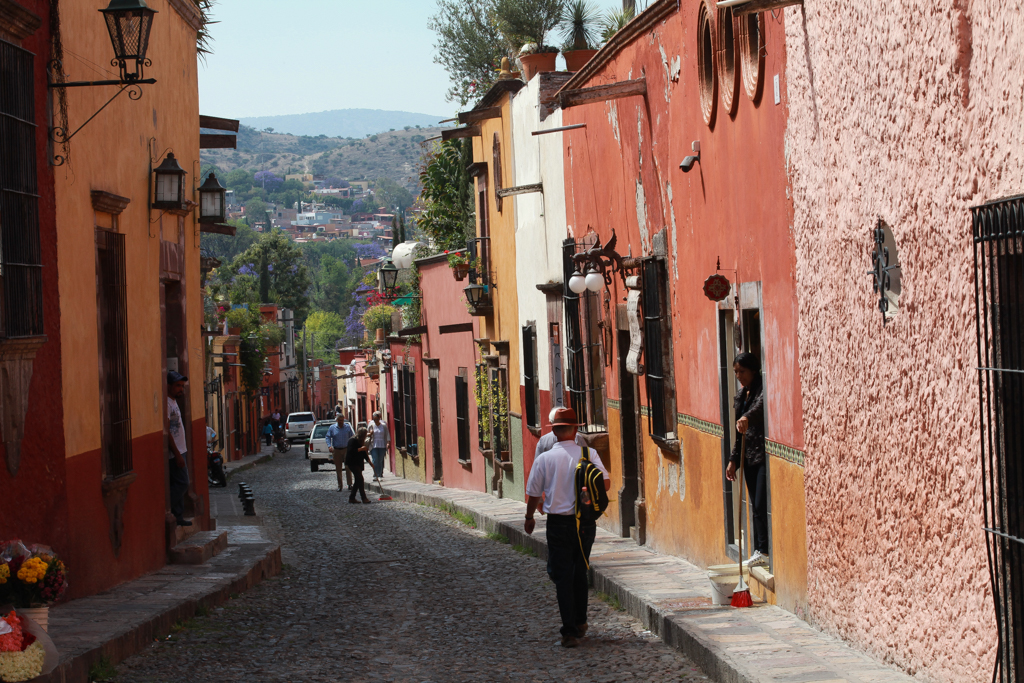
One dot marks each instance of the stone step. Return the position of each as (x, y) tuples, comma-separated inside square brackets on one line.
[(199, 547)]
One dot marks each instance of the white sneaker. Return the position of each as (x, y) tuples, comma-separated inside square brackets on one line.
[(758, 559)]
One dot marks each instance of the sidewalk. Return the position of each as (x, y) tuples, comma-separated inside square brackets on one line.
[(124, 620), (672, 598), (248, 462)]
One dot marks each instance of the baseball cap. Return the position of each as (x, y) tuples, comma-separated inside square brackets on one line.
[(173, 377)]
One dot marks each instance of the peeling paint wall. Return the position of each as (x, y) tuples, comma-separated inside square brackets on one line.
[(910, 112)]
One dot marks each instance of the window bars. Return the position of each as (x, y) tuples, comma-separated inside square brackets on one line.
[(21, 274), (657, 361), (409, 390), (462, 415), (583, 346), (532, 403), (998, 231), (113, 323)]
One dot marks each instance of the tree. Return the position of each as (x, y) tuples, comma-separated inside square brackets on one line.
[(527, 21), (278, 268), (469, 46), (225, 247), (268, 181), (391, 194), (325, 329), (448, 218), (255, 211)]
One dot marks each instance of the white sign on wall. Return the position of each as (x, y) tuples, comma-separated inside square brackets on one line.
[(557, 385), (636, 339)]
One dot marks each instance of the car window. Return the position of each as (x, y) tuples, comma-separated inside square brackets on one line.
[(300, 417), (320, 431)]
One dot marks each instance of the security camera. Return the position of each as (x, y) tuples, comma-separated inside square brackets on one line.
[(689, 161)]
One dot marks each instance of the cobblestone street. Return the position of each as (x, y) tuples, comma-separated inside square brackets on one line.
[(394, 592)]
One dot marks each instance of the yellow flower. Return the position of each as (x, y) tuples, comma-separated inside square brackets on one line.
[(32, 571), (5, 572)]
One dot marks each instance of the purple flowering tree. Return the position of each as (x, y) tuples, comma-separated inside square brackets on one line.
[(268, 181), (358, 206), (369, 251)]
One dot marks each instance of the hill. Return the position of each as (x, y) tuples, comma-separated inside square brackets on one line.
[(343, 123), (393, 154)]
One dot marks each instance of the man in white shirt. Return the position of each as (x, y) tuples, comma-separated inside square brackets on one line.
[(177, 468), (554, 476), (380, 441), (548, 441)]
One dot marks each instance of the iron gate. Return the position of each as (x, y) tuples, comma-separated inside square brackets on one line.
[(998, 229)]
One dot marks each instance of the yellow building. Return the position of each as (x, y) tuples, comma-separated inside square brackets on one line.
[(130, 300)]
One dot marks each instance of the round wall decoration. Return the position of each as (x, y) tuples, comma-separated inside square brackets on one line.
[(717, 287)]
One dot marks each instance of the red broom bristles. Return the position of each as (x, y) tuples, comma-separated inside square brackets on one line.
[(742, 599)]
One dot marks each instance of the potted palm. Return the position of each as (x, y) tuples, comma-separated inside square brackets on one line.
[(579, 31)]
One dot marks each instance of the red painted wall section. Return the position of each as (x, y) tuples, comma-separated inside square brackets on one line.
[(623, 173), (444, 304), (33, 504)]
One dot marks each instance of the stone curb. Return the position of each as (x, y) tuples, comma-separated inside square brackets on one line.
[(247, 465), (132, 635)]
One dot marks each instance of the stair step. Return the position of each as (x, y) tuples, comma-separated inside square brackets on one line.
[(199, 547)]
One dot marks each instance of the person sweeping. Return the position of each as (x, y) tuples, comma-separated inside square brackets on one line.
[(749, 405)]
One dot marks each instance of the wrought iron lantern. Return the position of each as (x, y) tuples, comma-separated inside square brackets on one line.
[(129, 23), (476, 295), (170, 185), (387, 278), (211, 200)]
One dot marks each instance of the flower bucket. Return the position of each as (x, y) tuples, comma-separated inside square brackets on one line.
[(577, 59), (537, 62), (461, 271), (40, 615)]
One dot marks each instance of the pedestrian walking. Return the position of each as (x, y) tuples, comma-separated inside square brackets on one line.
[(355, 456), (176, 465), (380, 443), (338, 436), (268, 432), (275, 419), (554, 477), (749, 405)]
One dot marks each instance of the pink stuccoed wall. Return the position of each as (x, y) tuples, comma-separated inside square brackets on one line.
[(909, 111)]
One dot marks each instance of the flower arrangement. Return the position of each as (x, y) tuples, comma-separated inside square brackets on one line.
[(457, 258), (30, 576), (22, 656)]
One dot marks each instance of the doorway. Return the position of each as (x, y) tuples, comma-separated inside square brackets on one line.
[(632, 506)]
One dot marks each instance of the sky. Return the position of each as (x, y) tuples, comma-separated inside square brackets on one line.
[(272, 57)]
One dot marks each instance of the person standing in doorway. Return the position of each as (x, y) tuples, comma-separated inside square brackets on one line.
[(355, 457), (177, 467), (749, 405), (338, 436), (554, 476), (380, 443)]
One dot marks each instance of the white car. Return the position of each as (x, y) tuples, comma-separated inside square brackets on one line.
[(318, 453), (298, 426)]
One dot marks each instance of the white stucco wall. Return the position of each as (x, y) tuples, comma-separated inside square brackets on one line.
[(540, 216)]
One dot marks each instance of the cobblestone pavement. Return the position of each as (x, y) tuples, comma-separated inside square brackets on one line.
[(394, 592)]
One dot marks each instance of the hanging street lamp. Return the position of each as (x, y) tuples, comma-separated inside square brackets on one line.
[(170, 186), (476, 295), (211, 200), (129, 23), (387, 279)]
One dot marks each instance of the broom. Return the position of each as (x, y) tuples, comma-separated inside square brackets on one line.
[(383, 496), (741, 594)]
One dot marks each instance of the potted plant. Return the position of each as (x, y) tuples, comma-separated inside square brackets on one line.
[(536, 58), (580, 23), (460, 264)]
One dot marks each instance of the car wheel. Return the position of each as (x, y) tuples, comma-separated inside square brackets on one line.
[(314, 465)]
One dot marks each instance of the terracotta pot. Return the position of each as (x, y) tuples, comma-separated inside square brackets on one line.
[(537, 62), (460, 271), (576, 59)]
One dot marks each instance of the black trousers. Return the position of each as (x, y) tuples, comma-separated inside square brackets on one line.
[(757, 493), (357, 483), (179, 487), (567, 566)]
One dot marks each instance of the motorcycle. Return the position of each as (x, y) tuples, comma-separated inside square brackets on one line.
[(215, 474)]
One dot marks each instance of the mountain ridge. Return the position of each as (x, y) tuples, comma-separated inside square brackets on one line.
[(343, 123)]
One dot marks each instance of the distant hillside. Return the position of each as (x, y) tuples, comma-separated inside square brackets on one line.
[(342, 123), (393, 154)]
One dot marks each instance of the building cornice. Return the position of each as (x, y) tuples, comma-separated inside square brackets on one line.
[(16, 21), (188, 11), (636, 28)]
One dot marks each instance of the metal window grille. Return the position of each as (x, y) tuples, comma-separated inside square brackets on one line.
[(409, 387), (399, 405), (113, 322), (657, 370), (500, 425), (583, 347), (532, 404), (998, 229), (482, 411), (462, 415), (21, 275)]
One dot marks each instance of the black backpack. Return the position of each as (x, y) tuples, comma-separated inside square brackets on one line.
[(588, 474)]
